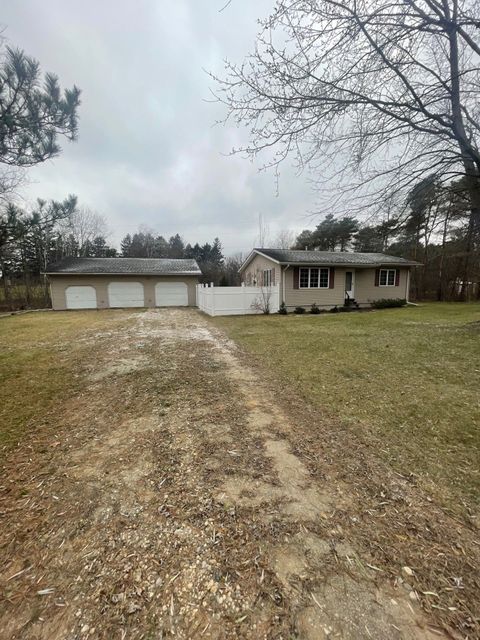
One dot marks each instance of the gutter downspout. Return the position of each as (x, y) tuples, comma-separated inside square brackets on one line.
[(408, 286), (283, 283)]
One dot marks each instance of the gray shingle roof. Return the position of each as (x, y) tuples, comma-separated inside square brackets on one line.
[(333, 257), (133, 266)]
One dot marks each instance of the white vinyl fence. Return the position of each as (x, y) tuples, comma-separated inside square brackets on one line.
[(236, 301)]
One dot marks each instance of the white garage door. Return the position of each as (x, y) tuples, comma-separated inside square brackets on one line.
[(126, 294), (81, 297), (171, 294)]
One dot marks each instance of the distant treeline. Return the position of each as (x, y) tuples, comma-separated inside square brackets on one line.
[(215, 267)]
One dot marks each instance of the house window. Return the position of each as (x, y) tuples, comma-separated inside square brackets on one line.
[(387, 277), (304, 278), (314, 278), (267, 278)]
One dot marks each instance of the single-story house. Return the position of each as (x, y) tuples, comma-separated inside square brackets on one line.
[(328, 278), (103, 283)]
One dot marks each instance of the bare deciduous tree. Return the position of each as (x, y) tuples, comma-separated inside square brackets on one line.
[(378, 92), (84, 225), (285, 239), (11, 179), (263, 302), (263, 232), (231, 270)]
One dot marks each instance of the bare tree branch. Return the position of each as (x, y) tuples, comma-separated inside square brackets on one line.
[(367, 95)]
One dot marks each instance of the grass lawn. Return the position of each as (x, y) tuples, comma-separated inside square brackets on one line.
[(37, 372), (407, 380)]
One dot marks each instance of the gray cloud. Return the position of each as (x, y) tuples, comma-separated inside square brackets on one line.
[(148, 153)]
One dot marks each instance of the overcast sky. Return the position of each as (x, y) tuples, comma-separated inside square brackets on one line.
[(148, 152)]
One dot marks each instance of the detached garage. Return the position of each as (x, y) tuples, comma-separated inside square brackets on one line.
[(107, 283)]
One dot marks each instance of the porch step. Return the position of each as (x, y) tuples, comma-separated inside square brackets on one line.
[(351, 302)]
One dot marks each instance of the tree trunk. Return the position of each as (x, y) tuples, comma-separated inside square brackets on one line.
[(425, 264), (469, 157), (473, 230), (441, 286), (26, 280), (6, 288)]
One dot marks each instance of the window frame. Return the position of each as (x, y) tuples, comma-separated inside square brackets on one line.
[(309, 269), (268, 273), (387, 271)]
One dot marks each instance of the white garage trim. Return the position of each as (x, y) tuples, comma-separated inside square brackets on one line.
[(126, 294), (171, 294), (81, 297)]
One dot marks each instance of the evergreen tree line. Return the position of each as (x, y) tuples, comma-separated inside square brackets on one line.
[(215, 267), (433, 227), (146, 245)]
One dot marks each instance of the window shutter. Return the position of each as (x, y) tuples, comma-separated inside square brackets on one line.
[(272, 277), (377, 277), (296, 277), (397, 277), (331, 283)]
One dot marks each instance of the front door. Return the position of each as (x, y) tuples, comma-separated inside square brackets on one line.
[(349, 285)]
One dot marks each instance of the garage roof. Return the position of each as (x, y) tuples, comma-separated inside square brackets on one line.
[(125, 266)]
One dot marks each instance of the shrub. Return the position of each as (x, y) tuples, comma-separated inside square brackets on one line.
[(283, 309), (334, 309), (299, 310), (387, 303), (314, 309), (263, 301)]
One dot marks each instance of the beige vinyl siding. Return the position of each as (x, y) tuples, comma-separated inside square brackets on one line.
[(322, 297), (58, 284), (366, 291), (256, 268)]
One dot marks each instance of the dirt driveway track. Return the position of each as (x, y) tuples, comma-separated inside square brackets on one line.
[(169, 499)]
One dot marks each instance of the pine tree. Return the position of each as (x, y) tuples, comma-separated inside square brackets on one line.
[(99, 247), (33, 111), (126, 246), (216, 255), (176, 246), (161, 247)]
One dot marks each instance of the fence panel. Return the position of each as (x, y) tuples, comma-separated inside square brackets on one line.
[(232, 301)]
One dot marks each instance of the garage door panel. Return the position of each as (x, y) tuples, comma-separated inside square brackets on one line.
[(171, 294), (81, 297), (126, 294)]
